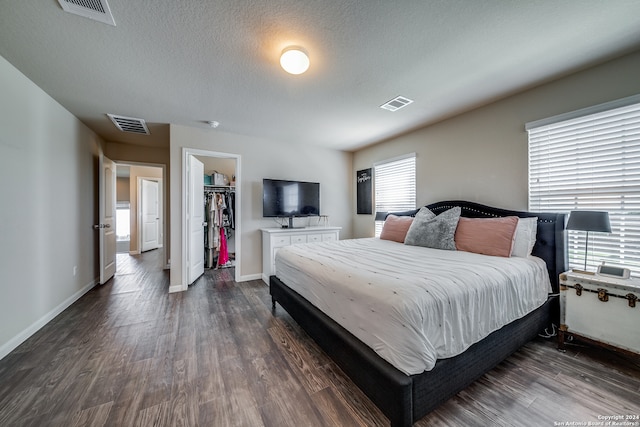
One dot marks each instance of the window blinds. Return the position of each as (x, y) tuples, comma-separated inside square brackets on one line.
[(591, 162), (395, 186)]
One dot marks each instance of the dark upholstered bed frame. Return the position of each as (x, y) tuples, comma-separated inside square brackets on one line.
[(405, 399)]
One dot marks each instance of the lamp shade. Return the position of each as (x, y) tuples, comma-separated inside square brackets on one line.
[(589, 221)]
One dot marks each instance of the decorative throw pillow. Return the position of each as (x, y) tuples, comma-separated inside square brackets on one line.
[(525, 237), (487, 236), (433, 231), (395, 228)]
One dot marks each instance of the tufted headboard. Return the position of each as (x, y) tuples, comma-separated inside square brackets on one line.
[(551, 239)]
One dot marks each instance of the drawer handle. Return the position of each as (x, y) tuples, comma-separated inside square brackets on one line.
[(632, 300)]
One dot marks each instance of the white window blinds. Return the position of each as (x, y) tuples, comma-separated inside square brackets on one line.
[(591, 162), (395, 186)]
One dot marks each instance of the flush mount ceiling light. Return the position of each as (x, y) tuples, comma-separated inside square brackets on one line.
[(294, 60)]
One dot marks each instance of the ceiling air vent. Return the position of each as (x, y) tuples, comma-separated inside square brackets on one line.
[(396, 103), (129, 124), (98, 10)]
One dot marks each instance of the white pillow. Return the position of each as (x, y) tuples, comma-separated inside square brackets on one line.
[(525, 237)]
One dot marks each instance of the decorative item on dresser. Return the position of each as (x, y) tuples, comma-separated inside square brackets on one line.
[(406, 397), (276, 238), (600, 309)]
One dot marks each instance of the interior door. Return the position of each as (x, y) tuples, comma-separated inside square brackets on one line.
[(195, 219), (107, 218), (149, 191)]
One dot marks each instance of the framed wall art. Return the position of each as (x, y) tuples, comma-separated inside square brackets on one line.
[(364, 191)]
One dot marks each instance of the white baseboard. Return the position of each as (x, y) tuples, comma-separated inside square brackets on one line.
[(14, 342), (248, 277), (176, 288)]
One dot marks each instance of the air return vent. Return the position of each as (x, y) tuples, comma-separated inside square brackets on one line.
[(129, 124), (396, 103), (98, 10)]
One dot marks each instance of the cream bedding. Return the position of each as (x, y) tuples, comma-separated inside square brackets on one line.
[(413, 305)]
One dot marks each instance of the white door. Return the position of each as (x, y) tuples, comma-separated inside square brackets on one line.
[(107, 218), (150, 214), (195, 219)]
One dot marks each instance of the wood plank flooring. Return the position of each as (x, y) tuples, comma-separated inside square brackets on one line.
[(129, 354)]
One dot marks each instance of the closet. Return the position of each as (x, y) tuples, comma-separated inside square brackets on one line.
[(219, 211), (219, 206)]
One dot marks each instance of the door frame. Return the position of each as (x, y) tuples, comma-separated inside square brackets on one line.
[(139, 213), (186, 152)]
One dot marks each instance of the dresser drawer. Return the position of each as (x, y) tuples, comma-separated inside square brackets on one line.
[(314, 238), (279, 241), (299, 238), (329, 237)]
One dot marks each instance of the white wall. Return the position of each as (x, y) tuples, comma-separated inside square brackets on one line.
[(261, 159), (48, 178), (482, 155)]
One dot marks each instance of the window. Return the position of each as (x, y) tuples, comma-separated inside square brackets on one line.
[(123, 232), (590, 160), (395, 186)]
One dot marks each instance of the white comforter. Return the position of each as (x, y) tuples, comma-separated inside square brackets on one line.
[(413, 305)]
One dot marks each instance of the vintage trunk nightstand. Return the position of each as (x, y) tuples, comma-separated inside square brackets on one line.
[(600, 310)]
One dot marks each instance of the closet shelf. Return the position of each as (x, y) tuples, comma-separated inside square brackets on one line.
[(219, 187)]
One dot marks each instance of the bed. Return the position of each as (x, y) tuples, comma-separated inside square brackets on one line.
[(406, 394)]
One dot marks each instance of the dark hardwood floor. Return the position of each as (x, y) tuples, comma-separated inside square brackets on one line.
[(129, 354)]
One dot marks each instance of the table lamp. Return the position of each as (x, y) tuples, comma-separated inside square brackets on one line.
[(589, 221)]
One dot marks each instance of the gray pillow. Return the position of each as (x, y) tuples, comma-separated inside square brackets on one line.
[(433, 231)]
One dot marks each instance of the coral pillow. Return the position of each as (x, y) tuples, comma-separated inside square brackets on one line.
[(487, 236), (395, 228)]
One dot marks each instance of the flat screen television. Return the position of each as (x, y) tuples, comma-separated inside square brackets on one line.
[(289, 199)]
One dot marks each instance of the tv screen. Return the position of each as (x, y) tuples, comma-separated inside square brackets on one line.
[(282, 198)]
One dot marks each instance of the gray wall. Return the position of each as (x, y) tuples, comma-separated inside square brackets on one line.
[(48, 181), (482, 155)]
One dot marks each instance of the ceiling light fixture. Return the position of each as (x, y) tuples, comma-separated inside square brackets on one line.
[(294, 60), (213, 124)]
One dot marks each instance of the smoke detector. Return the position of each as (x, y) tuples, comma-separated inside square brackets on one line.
[(98, 10)]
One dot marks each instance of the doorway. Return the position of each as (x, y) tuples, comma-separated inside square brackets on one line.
[(223, 172), (134, 210)]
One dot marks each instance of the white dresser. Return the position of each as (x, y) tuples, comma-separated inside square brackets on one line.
[(276, 238)]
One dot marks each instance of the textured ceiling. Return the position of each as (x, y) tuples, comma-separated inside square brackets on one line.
[(191, 61)]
